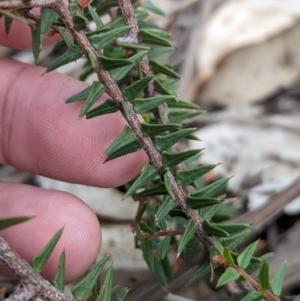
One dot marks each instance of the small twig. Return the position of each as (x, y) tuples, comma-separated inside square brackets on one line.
[(32, 284)]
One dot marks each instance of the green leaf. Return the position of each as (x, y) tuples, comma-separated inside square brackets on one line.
[(153, 53), (218, 245), (244, 258), (40, 260), (277, 281), (108, 63), (160, 88), (120, 295), (125, 144), (97, 90), (83, 289), (211, 229), (59, 279), (146, 246), (199, 203), (148, 174), (105, 5), (80, 96), (190, 251), (229, 275), (67, 38), (133, 46), (200, 273), (165, 142), (152, 130), (233, 241), (149, 38), (35, 36), (6, 222), (164, 208), (187, 176), (80, 22), (163, 247), (212, 188), (95, 17), (106, 287), (177, 103), (252, 296), (263, 277), (159, 32), (159, 273), (48, 16), (159, 68), (121, 72), (179, 116), (232, 228), (168, 185), (133, 91), (102, 40), (227, 255), (8, 22), (71, 55), (187, 235), (156, 190), (148, 5), (108, 107), (296, 298), (144, 227), (167, 268), (143, 105), (172, 159)]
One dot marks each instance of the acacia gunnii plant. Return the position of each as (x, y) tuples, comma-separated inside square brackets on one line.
[(123, 55)]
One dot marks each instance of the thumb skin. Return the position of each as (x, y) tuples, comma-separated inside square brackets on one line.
[(51, 211)]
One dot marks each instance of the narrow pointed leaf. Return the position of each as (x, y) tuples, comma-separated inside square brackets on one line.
[(160, 88), (218, 245), (48, 16), (83, 289), (102, 40), (212, 188), (156, 190), (233, 228), (121, 72), (235, 240), (143, 105), (152, 130), (71, 55), (173, 159), (214, 230), (67, 38), (229, 275), (187, 235), (125, 144), (227, 255), (149, 38), (160, 32), (95, 17), (277, 281), (108, 63), (180, 116), (200, 273), (97, 90), (8, 22), (153, 53), (6, 222), (133, 46), (80, 22), (105, 5), (190, 251), (121, 294), (199, 203), (167, 268), (159, 273), (35, 36), (146, 246), (148, 5), (252, 296), (148, 174), (168, 186), (159, 68), (163, 247), (165, 142), (80, 96), (244, 258), (178, 103), (40, 260), (59, 279), (187, 176), (164, 209), (106, 287), (263, 277), (108, 107), (133, 91), (144, 227)]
